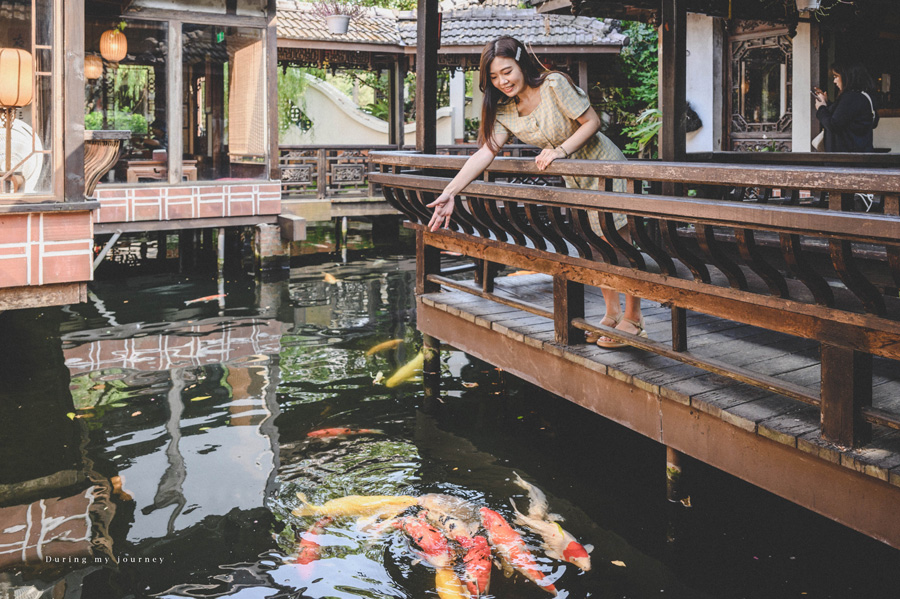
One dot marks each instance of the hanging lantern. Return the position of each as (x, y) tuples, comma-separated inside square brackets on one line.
[(93, 66), (113, 45), (16, 77)]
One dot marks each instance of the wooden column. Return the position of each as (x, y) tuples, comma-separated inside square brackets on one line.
[(815, 74), (583, 82), (73, 119), (426, 76), (396, 112), (846, 389), (428, 262), (174, 101), (568, 303), (272, 90), (672, 100)]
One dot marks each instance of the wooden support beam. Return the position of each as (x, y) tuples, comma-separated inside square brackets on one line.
[(568, 304), (428, 262), (583, 81), (73, 102), (679, 329), (174, 102), (396, 112), (428, 41), (271, 67), (846, 374), (672, 79)]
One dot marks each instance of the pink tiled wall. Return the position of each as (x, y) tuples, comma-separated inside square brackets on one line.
[(44, 248)]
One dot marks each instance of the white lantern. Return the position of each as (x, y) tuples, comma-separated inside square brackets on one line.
[(93, 66), (808, 5), (113, 45)]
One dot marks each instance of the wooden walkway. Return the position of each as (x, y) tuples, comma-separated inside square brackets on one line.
[(835, 481)]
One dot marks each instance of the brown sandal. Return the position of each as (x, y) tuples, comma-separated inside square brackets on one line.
[(609, 343)]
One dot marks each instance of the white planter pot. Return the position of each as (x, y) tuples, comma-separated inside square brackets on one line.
[(338, 23), (808, 5)]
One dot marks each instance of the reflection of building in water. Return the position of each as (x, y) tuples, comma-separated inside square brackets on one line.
[(57, 509), (210, 445)]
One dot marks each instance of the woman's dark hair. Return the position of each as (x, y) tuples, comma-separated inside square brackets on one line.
[(854, 76), (532, 70)]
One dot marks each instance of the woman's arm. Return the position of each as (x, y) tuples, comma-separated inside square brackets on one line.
[(474, 166), (590, 124), (842, 113)]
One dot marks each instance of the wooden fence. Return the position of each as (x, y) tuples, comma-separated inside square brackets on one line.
[(715, 239)]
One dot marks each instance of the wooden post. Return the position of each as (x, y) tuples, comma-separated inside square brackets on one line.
[(673, 474), (426, 76), (271, 68), (583, 82), (568, 303), (397, 114), (174, 101), (73, 140), (321, 173), (846, 389), (672, 100), (428, 262), (487, 278)]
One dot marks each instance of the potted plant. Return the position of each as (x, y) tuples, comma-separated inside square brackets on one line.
[(337, 13)]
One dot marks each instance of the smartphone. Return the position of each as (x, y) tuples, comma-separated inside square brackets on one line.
[(814, 94)]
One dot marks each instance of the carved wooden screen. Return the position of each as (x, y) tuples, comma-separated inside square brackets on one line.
[(760, 85)]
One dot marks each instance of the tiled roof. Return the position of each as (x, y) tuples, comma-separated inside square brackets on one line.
[(296, 20), (465, 23)]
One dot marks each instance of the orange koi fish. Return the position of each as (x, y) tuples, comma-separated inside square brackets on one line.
[(511, 547), (428, 539), (448, 585), (329, 433), (329, 278), (308, 550), (384, 346), (356, 505), (520, 273), (208, 298), (477, 562)]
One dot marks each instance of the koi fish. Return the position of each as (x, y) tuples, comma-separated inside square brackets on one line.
[(429, 540), (384, 346), (407, 371), (208, 298), (519, 273), (557, 542), (356, 505), (456, 517), (330, 278), (477, 563), (330, 433), (308, 550), (448, 585), (511, 547)]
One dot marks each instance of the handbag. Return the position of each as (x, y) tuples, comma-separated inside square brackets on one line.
[(818, 142)]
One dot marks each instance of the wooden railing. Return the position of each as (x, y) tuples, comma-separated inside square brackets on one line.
[(346, 168), (813, 268)]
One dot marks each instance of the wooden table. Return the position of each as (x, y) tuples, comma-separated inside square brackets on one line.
[(158, 170)]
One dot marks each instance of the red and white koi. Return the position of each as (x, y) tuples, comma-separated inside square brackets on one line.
[(509, 544), (208, 298), (308, 550), (330, 433), (477, 564), (433, 546)]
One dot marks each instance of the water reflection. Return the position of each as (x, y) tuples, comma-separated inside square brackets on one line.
[(173, 439)]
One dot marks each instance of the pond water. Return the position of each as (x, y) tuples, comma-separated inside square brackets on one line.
[(151, 447)]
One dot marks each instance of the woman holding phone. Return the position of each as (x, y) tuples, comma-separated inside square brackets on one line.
[(850, 120)]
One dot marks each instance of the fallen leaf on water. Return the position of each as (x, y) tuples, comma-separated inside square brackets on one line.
[(686, 502), (70, 415), (201, 398), (203, 428), (138, 413), (618, 563), (470, 385), (379, 378), (100, 386)]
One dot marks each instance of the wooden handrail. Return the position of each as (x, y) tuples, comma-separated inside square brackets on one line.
[(715, 266)]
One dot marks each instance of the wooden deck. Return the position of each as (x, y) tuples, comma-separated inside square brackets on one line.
[(762, 437)]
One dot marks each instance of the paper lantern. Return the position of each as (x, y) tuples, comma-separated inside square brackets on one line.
[(16, 77), (113, 45), (93, 66)]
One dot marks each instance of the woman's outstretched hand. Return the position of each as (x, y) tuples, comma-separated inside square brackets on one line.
[(546, 157), (443, 209)]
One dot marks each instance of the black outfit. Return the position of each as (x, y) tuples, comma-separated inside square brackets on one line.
[(848, 123)]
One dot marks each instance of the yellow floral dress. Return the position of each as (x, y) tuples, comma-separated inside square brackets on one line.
[(552, 122)]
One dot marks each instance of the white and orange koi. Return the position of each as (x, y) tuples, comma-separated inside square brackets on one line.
[(429, 540), (208, 298), (448, 585), (477, 563), (509, 544)]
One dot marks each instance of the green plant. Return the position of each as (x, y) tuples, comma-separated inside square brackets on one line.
[(136, 123), (643, 131)]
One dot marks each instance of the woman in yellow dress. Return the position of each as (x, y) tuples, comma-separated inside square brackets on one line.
[(545, 109)]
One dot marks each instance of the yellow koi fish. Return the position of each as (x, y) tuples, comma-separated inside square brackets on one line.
[(448, 585), (407, 371), (356, 505), (384, 346)]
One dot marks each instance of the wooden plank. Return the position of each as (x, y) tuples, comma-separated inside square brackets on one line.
[(568, 304), (846, 389), (175, 100), (60, 294), (73, 110), (210, 18)]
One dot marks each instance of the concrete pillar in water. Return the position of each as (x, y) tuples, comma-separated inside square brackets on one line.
[(431, 371), (269, 250)]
